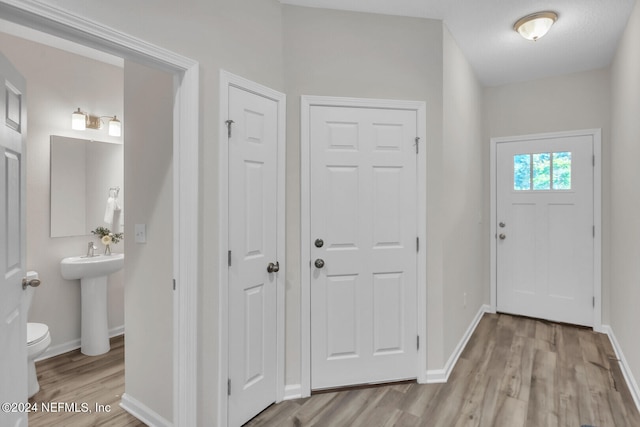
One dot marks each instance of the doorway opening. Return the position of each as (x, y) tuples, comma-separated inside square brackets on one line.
[(61, 23)]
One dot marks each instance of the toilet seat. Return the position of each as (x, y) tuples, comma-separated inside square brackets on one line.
[(36, 332)]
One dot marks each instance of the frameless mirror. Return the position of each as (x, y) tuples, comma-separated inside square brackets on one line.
[(82, 174)]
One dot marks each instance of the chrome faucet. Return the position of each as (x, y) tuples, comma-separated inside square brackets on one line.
[(91, 249)]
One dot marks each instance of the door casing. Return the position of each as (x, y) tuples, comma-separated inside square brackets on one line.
[(596, 134), (306, 103), (227, 80), (59, 22)]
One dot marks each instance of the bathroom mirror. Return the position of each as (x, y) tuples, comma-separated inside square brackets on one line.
[(82, 174)]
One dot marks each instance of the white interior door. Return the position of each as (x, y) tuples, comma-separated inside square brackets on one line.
[(13, 317), (253, 156), (364, 234), (545, 228)]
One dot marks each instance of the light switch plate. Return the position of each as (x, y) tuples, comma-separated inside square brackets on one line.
[(140, 231)]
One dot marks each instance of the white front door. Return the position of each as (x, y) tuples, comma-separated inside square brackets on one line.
[(253, 191), (13, 317), (545, 228), (363, 227)]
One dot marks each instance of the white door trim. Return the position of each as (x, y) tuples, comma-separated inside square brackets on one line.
[(306, 103), (597, 212), (226, 80), (62, 23)]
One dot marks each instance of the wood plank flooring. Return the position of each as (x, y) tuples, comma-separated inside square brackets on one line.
[(75, 378), (514, 372)]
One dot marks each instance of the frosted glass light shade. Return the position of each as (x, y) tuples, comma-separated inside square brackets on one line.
[(536, 25), (115, 127), (78, 120)]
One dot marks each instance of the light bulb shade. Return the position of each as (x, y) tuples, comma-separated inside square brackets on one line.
[(115, 127), (78, 120), (536, 25)]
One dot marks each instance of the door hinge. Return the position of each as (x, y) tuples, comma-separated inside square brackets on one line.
[(594, 302), (418, 342), (229, 258), (417, 143), (229, 387), (229, 123), (594, 160), (174, 284), (417, 244), (594, 231)]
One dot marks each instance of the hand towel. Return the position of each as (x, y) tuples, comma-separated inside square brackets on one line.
[(108, 213)]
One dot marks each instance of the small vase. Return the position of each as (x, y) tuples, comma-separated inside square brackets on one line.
[(107, 249)]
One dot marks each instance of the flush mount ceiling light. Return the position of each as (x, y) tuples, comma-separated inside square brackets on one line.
[(83, 121), (536, 25)]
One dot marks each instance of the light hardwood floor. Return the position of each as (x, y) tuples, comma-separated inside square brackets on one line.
[(75, 378), (514, 372)]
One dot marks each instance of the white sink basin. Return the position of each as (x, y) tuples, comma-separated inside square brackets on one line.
[(80, 267), (93, 272)]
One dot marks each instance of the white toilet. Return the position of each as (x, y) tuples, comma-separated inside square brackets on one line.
[(38, 340)]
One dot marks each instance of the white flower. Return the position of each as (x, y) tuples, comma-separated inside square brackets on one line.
[(106, 240)]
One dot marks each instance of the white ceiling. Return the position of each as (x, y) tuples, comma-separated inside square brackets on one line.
[(585, 36)]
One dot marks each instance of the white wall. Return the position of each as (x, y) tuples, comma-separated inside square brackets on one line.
[(625, 193), (58, 83), (148, 274), (562, 103), (463, 194)]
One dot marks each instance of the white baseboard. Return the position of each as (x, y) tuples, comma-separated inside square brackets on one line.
[(143, 412), (68, 346), (442, 375), (624, 366), (292, 391)]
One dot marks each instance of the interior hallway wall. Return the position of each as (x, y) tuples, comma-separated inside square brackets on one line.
[(149, 269), (562, 103), (58, 82), (349, 54), (463, 194), (625, 193)]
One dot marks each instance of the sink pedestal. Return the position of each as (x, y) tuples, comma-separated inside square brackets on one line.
[(94, 328), (93, 272)]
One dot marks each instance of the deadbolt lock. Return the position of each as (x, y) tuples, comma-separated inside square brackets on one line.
[(319, 243)]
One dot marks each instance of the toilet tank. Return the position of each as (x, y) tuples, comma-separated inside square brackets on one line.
[(30, 290)]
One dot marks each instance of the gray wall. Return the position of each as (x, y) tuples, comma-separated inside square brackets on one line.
[(562, 103), (148, 169), (59, 82), (625, 193), (463, 194), (336, 53)]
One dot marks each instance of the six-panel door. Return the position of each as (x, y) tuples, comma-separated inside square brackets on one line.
[(364, 209)]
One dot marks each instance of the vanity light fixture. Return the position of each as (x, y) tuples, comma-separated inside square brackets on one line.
[(83, 121), (536, 25)]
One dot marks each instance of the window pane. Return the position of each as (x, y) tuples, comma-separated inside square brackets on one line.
[(522, 172), (541, 171), (562, 171)]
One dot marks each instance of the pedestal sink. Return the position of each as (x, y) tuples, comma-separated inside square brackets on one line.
[(93, 272)]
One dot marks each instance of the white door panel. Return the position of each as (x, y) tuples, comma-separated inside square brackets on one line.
[(545, 241), (13, 318), (364, 209), (252, 241)]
